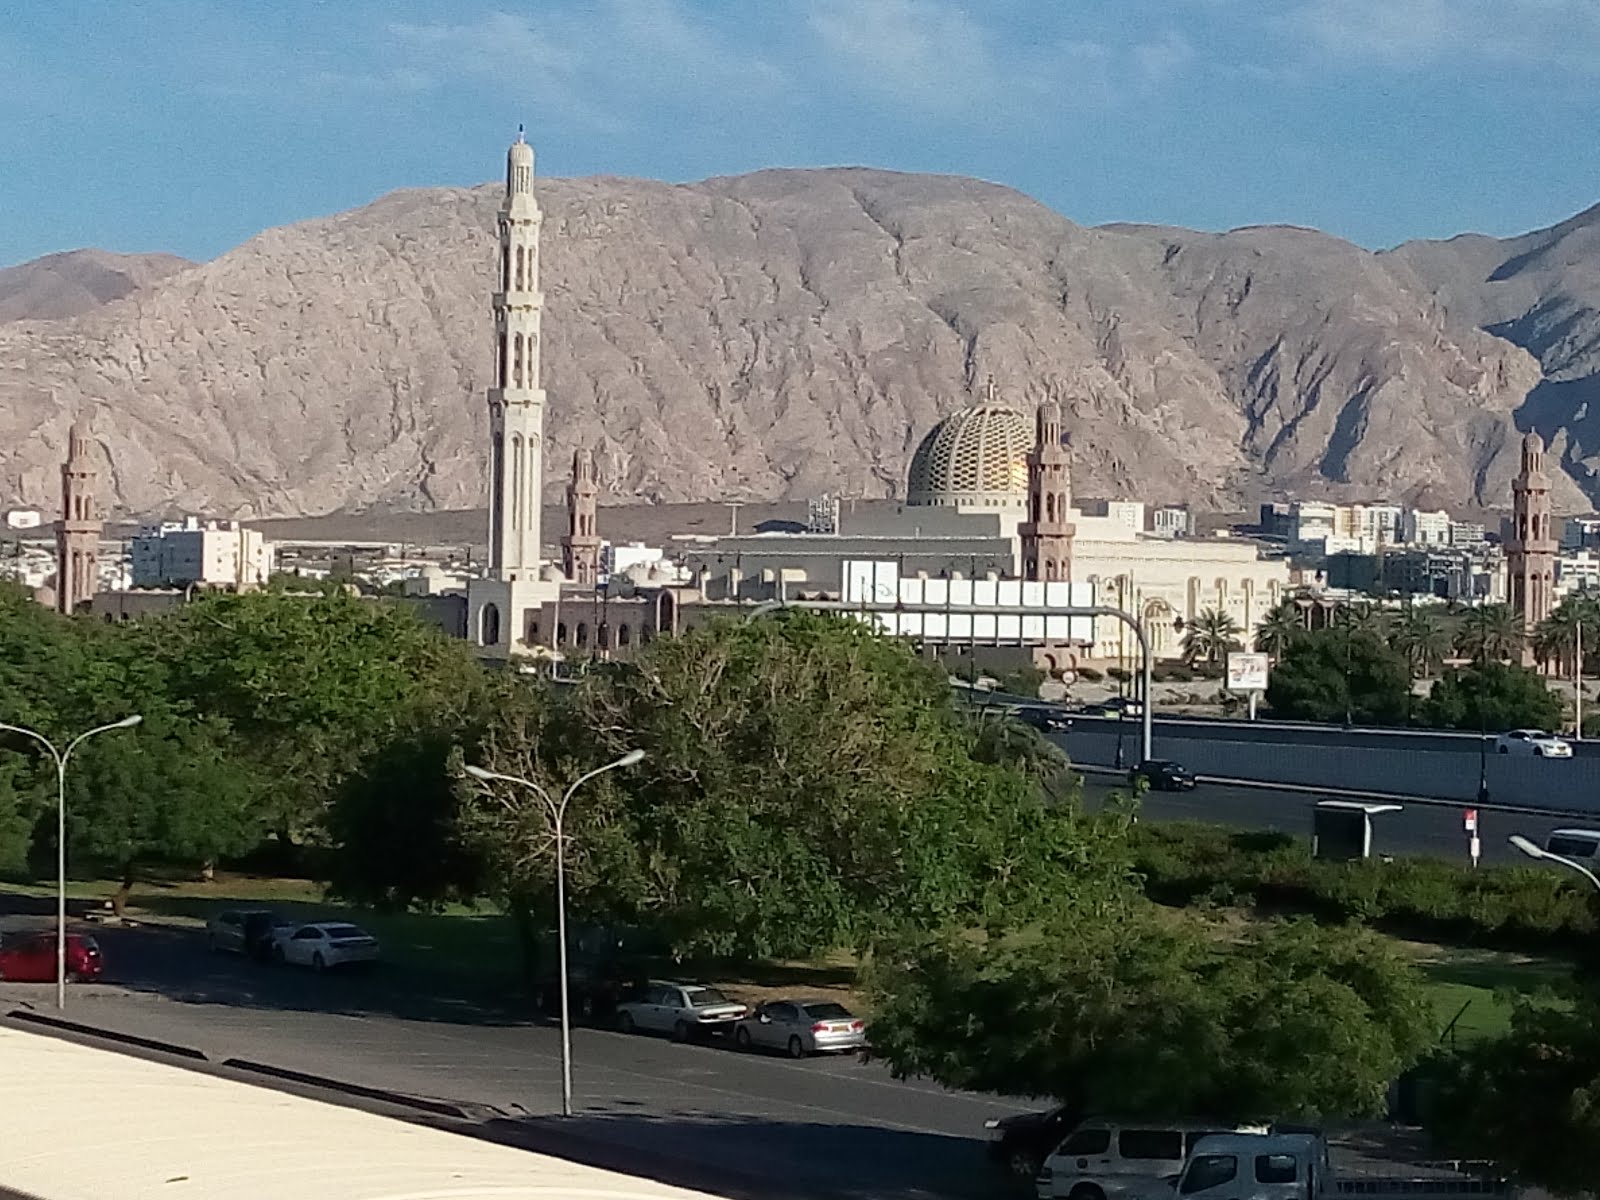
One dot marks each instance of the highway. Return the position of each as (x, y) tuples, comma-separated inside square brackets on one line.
[(1424, 764), (1424, 830)]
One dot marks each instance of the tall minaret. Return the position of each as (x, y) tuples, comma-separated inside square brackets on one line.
[(580, 548), (1047, 533), (516, 401), (78, 534), (1531, 548)]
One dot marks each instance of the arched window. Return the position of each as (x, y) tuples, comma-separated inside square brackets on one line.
[(602, 636), (505, 352), (1050, 507), (1031, 569), (516, 362), (520, 268), (645, 635), (624, 636), (561, 633), (583, 634), (1033, 508), (489, 625), (505, 270)]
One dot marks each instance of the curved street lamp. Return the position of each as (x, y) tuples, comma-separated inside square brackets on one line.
[(1534, 850), (60, 757), (558, 813)]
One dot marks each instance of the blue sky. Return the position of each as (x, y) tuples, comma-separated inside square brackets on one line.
[(188, 125)]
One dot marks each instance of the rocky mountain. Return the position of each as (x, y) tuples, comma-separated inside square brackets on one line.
[(73, 282), (782, 333)]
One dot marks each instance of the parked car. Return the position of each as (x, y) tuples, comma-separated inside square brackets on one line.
[(323, 945), (801, 1027), (31, 957), (1163, 775), (685, 1010), (1044, 719), (250, 931), (604, 963), (1022, 1142), (1533, 743), (1117, 706)]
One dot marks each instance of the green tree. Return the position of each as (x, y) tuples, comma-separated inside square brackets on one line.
[(1489, 633), (1332, 672), (807, 784), (1210, 636), (1555, 639), (1279, 629), (1116, 1010), (1423, 639), (1491, 696), (1530, 1098), (313, 684)]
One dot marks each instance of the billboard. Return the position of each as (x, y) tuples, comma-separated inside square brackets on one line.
[(1247, 672)]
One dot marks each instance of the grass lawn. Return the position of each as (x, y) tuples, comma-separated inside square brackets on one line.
[(1481, 985)]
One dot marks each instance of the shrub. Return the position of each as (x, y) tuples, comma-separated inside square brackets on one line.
[(1090, 675), (1186, 864)]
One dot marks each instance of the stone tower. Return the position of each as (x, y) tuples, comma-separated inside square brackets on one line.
[(516, 401), (580, 548), (1531, 548), (78, 534), (1047, 533)]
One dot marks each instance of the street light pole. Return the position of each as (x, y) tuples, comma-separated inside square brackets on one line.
[(61, 757), (558, 814), (1534, 850)]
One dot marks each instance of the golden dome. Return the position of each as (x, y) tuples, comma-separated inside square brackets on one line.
[(976, 457)]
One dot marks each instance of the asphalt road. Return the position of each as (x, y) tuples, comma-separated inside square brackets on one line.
[(833, 1127), (1437, 766), (1431, 830)]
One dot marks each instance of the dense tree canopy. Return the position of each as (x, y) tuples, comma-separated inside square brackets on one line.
[(1531, 1098), (1114, 1010), (1343, 670), (1492, 696), (806, 783)]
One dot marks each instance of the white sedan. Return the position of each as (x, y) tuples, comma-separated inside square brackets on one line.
[(685, 1010), (324, 944), (1534, 743)]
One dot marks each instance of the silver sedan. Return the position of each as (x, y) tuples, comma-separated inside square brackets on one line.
[(801, 1027)]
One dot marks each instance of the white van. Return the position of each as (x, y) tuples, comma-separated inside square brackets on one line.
[(1120, 1160), (1581, 845)]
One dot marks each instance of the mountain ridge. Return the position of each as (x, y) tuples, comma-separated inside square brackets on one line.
[(789, 331)]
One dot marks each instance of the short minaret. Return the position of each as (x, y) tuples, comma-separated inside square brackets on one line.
[(1047, 533), (78, 534), (580, 548), (516, 401), (1531, 549)]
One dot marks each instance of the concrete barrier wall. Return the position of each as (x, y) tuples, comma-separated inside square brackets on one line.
[(1441, 767)]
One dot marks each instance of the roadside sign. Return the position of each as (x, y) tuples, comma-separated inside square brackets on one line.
[(1475, 849), (1469, 821), (1247, 672)]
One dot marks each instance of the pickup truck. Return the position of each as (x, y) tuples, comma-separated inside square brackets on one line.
[(1294, 1166)]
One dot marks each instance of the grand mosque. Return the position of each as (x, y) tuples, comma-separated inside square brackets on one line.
[(988, 499)]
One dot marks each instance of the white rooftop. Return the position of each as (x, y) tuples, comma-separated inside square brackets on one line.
[(88, 1124)]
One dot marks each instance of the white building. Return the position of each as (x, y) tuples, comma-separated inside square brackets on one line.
[(1466, 533), (207, 553), (1577, 571), (1381, 524), (1424, 528), (24, 518), (1170, 522), (620, 559)]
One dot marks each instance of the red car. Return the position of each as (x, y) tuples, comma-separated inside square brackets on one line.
[(31, 957)]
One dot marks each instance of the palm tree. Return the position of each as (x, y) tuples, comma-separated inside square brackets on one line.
[(1279, 630), (1423, 639), (1210, 636), (1490, 633), (1555, 639)]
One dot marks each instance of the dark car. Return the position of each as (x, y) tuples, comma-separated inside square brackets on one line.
[(1044, 719), (247, 931), (1163, 775), (31, 957), (605, 963), (1021, 1143)]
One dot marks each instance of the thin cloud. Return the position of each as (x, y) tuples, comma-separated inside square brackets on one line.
[(1562, 34)]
